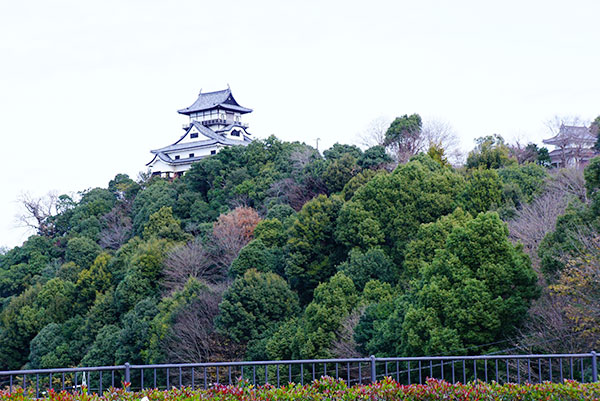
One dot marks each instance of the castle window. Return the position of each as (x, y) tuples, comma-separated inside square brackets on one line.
[(176, 157), (213, 152), (235, 133), (191, 155), (194, 135)]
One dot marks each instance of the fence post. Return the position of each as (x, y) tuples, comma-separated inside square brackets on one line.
[(373, 370), (594, 367), (127, 376)]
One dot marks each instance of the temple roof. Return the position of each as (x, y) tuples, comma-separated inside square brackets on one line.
[(571, 134), (210, 100)]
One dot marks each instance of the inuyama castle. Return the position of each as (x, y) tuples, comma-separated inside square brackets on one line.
[(215, 122)]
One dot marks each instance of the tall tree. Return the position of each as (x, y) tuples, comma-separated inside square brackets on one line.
[(404, 137)]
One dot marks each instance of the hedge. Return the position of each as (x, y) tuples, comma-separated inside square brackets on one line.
[(329, 389)]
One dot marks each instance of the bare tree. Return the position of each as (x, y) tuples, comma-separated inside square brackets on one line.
[(566, 317), (548, 329), (294, 194), (441, 133), (568, 181), (38, 212), (193, 337), (301, 158), (344, 345), (191, 260), (374, 133), (534, 220), (117, 227), (232, 232), (553, 124)]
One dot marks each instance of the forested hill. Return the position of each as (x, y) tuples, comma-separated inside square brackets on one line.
[(273, 251)]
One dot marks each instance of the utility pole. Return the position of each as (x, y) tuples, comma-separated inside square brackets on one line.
[(318, 139)]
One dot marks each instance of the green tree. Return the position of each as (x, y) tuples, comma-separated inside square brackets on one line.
[(162, 224), (253, 304), (404, 136), (270, 232), (595, 130), (105, 346), (144, 271), (158, 194), (123, 187), (591, 174), (491, 152), (257, 256), (388, 209), (94, 280), (134, 337), (483, 191), (339, 172), (317, 328), (373, 264), (339, 151), (475, 291), (57, 299), (82, 251), (21, 320), (374, 158), (313, 252), (358, 181)]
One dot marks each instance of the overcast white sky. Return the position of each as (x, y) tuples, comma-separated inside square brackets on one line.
[(87, 88)]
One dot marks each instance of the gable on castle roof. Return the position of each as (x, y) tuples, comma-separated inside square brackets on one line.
[(210, 100)]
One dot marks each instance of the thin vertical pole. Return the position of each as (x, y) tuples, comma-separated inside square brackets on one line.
[(348, 372), (497, 375), (373, 369), (359, 373), (594, 367), (126, 376)]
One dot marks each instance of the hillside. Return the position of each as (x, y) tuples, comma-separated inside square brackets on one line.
[(272, 251)]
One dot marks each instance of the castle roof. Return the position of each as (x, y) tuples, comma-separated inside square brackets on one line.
[(571, 134), (211, 100), (213, 139)]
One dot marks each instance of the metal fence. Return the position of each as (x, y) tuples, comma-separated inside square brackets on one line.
[(405, 370)]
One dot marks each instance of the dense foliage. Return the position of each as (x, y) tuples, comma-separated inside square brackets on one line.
[(327, 388), (273, 251)]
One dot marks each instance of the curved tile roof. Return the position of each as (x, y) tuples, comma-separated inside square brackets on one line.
[(211, 100)]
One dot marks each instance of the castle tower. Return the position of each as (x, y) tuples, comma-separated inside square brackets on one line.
[(215, 121)]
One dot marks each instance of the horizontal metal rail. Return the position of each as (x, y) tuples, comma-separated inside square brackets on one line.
[(531, 368)]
